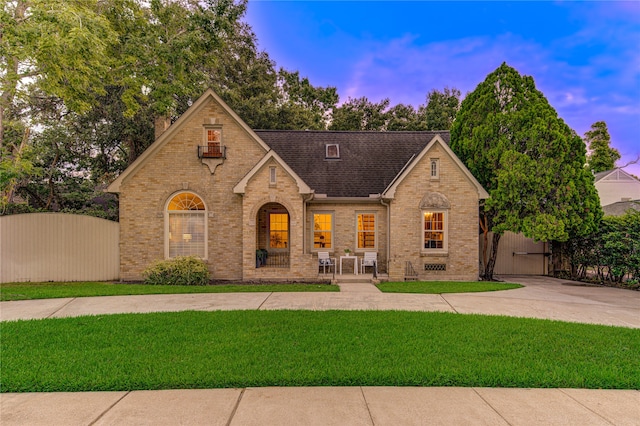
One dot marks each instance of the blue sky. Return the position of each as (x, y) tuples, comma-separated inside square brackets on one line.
[(584, 56)]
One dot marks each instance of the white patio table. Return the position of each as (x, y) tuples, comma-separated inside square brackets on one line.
[(355, 263)]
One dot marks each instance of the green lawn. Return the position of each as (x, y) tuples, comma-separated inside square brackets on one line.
[(439, 287), (308, 348), (50, 290)]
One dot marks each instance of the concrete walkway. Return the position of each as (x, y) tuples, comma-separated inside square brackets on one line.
[(541, 297), (326, 406)]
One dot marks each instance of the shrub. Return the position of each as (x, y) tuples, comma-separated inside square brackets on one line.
[(612, 252), (182, 270)]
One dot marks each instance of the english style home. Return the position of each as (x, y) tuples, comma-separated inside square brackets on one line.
[(261, 205)]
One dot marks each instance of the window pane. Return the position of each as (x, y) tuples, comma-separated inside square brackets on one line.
[(214, 135), (278, 230), (322, 231), (366, 231), (433, 230), (186, 234), (186, 201)]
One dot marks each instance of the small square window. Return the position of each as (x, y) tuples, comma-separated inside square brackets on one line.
[(332, 150)]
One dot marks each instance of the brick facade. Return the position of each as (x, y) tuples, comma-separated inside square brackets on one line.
[(461, 258), (235, 219)]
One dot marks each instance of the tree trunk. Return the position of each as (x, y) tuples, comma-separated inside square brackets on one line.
[(491, 263)]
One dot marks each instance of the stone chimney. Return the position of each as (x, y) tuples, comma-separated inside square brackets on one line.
[(162, 123)]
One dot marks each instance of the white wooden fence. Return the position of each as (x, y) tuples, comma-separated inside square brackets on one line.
[(58, 247)]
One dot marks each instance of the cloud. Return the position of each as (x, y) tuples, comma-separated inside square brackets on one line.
[(405, 71)]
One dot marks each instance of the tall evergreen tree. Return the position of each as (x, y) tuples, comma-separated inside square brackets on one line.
[(602, 156), (528, 159)]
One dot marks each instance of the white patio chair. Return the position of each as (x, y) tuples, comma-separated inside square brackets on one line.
[(325, 261), (370, 259)]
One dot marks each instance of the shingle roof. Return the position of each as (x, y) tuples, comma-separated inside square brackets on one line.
[(368, 163), (620, 208)]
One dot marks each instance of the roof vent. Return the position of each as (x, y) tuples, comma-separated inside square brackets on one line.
[(332, 150)]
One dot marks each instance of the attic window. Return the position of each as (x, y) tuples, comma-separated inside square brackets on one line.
[(435, 169), (332, 150)]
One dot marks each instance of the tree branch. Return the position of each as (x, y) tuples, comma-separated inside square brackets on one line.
[(636, 161)]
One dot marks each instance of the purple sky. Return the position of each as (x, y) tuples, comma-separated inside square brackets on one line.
[(584, 56)]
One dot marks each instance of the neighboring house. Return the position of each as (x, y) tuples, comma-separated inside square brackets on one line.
[(261, 205), (618, 191)]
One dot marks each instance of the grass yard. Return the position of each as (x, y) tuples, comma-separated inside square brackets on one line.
[(440, 287), (185, 350), (51, 290)]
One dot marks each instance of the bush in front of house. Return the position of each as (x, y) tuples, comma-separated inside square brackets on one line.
[(181, 270)]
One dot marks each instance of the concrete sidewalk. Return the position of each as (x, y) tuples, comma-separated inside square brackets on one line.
[(326, 406), (541, 297)]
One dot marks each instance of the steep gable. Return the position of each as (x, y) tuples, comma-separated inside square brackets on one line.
[(168, 135)]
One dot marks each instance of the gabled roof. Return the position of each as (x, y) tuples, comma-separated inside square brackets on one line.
[(390, 191), (166, 136), (368, 161), (615, 175), (240, 187)]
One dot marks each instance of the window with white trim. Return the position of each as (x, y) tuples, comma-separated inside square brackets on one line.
[(434, 225), (366, 229), (332, 150), (213, 140), (273, 179), (322, 231), (185, 226), (435, 168)]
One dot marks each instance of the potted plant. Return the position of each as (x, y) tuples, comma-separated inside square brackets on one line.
[(347, 252)]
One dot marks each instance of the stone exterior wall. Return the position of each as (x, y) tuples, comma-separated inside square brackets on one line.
[(461, 260), (176, 167)]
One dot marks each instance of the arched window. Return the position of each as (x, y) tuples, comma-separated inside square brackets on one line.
[(186, 226)]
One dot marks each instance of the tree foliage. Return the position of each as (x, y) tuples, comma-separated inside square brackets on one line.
[(612, 253), (83, 83), (360, 114), (528, 159), (602, 156), (438, 113), (441, 109)]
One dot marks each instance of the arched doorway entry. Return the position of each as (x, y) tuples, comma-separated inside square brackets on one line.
[(273, 237)]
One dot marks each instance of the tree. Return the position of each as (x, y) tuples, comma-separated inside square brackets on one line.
[(441, 109), (403, 118), (360, 114), (303, 105), (602, 157), (48, 48), (71, 127), (528, 159)]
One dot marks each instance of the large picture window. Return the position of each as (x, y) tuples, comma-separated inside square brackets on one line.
[(322, 231), (186, 226), (366, 231), (435, 231)]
